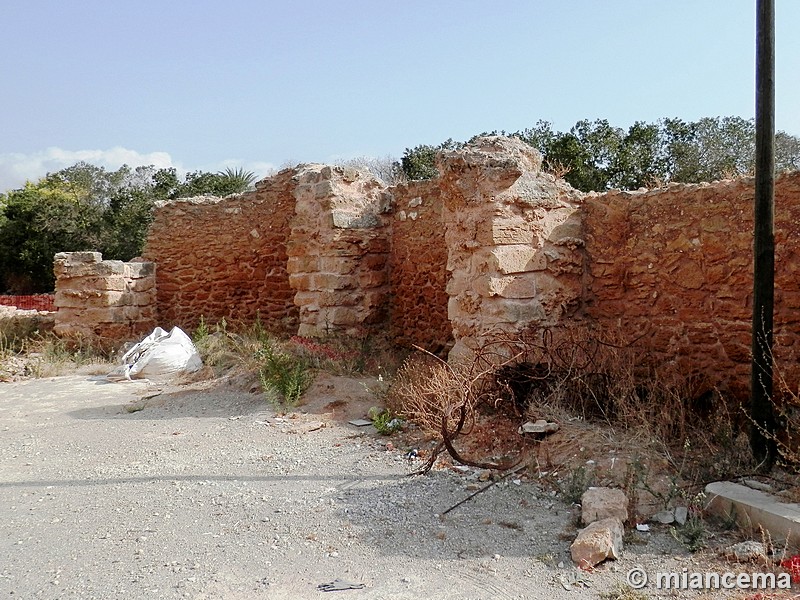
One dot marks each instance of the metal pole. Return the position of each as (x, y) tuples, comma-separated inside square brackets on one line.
[(762, 440)]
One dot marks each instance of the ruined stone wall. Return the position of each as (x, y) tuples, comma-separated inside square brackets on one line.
[(103, 299), (226, 257), (513, 236), (338, 251), (672, 268), (418, 268)]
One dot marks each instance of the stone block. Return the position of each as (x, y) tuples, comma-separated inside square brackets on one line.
[(598, 503), (754, 509), (517, 258), (303, 264), (343, 219), (88, 298), (144, 284), (299, 281), (331, 281), (599, 541), (138, 270)]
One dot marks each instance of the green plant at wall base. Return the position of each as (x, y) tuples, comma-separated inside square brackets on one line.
[(201, 332), (575, 484), (694, 533), (283, 377), (384, 420)]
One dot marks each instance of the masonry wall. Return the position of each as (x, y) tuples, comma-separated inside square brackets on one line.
[(104, 300), (339, 251), (493, 245), (226, 257), (418, 268), (513, 236), (672, 269)]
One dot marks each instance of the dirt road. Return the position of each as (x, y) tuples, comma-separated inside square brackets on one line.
[(207, 494)]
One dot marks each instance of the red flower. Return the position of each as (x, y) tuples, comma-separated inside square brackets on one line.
[(792, 565)]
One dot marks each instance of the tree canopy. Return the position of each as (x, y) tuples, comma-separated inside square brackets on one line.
[(597, 156), (85, 207)]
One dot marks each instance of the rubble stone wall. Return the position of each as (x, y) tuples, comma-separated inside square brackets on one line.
[(338, 251), (493, 245), (418, 268), (672, 269), (226, 257), (103, 299)]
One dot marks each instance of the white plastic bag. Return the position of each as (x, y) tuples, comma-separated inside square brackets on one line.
[(158, 356)]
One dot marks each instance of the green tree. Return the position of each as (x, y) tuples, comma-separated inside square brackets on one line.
[(85, 207), (39, 220), (420, 162)]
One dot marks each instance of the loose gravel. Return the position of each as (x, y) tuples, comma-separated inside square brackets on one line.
[(203, 491)]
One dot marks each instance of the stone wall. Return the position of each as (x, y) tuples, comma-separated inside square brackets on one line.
[(103, 299), (513, 236), (338, 251), (418, 268), (226, 257), (672, 269), (493, 245)]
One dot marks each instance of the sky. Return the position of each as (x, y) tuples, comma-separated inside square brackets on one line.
[(261, 84)]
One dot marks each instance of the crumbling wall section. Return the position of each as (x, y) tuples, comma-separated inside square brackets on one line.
[(338, 251), (226, 257), (673, 269), (418, 268), (103, 300), (514, 240)]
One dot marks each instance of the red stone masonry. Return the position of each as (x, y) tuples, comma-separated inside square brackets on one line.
[(226, 257), (673, 268), (418, 268)]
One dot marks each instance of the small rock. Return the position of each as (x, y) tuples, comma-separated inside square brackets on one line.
[(664, 517), (597, 542), (746, 552), (598, 503), (757, 485), (681, 515), (540, 426)]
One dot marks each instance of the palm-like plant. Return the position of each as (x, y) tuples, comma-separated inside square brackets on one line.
[(235, 181)]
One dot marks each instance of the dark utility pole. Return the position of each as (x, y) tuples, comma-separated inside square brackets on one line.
[(762, 436)]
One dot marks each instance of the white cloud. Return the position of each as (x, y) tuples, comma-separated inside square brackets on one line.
[(17, 168)]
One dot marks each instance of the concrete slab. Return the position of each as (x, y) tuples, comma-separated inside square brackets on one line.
[(754, 508)]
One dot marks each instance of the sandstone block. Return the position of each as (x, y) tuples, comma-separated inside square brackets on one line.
[(598, 503), (331, 281), (599, 541), (298, 281), (138, 270), (517, 258), (88, 298), (371, 279)]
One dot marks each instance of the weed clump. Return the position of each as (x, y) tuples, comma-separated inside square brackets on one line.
[(284, 377)]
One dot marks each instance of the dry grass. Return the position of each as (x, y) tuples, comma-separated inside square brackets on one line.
[(657, 434), (46, 355)]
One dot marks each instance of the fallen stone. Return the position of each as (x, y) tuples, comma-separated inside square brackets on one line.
[(665, 517), (598, 503), (748, 551), (599, 541), (681, 515), (757, 485), (540, 426)]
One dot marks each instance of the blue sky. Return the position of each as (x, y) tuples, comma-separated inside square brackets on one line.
[(260, 83)]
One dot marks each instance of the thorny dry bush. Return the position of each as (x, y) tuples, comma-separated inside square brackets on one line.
[(573, 373)]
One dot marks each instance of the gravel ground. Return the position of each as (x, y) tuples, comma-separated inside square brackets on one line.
[(204, 492)]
